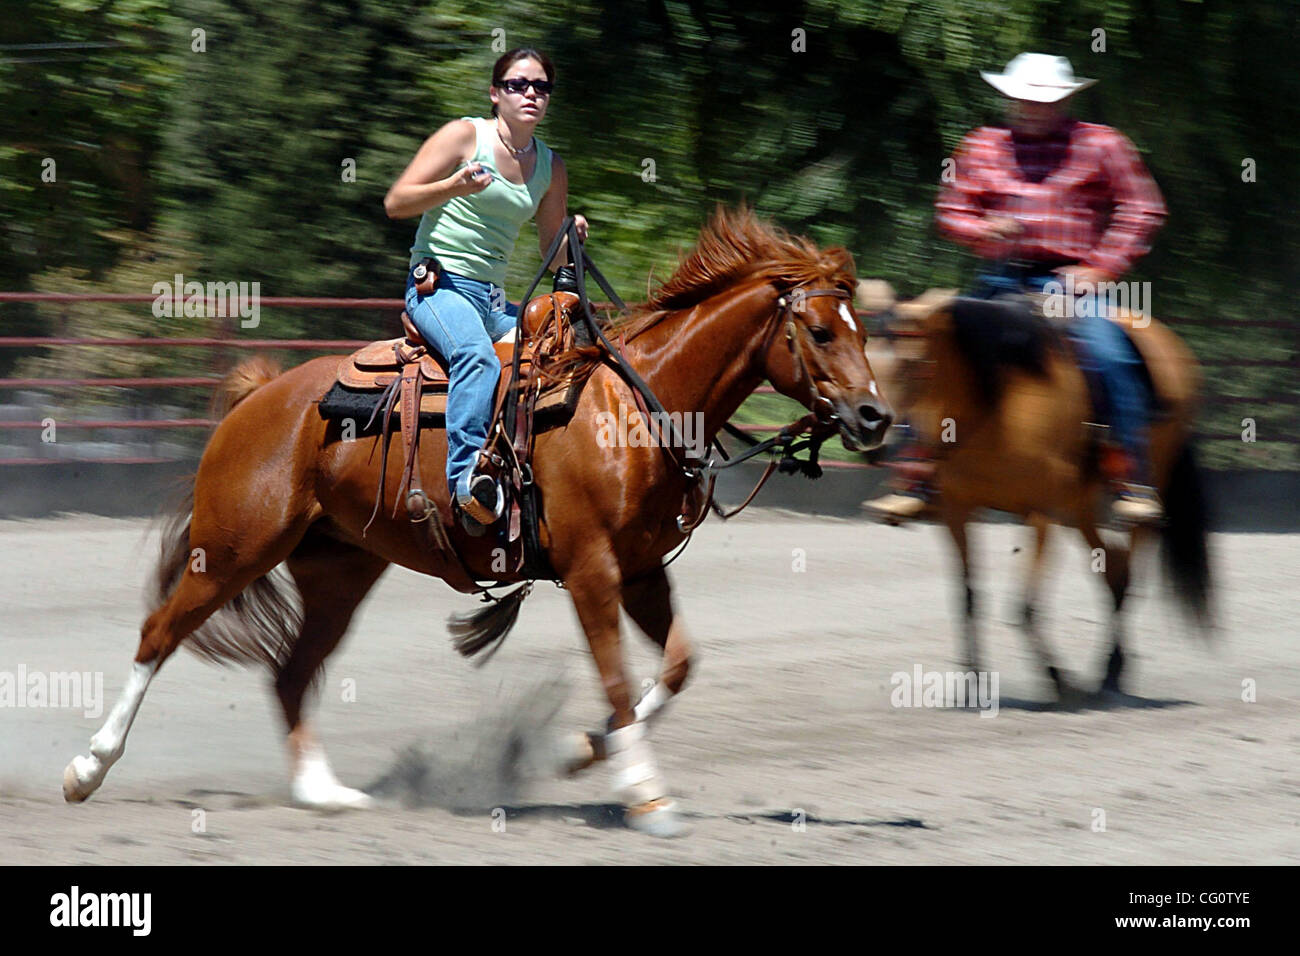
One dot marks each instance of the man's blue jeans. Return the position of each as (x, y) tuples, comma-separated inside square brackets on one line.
[(1107, 351), (461, 319)]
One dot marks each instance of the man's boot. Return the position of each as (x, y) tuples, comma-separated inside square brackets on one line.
[(897, 508), (1135, 501), (914, 498), (1137, 504)]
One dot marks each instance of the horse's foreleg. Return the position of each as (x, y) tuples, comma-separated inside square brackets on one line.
[(1116, 569), (648, 601), (333, 578), (596, 589), (955, 519), (1041, 527)]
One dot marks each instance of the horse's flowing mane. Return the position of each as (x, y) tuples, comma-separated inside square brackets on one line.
[(736, 245), (733, 246), (995, 336)]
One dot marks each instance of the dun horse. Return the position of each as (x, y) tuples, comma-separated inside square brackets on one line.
[(999, 394), (277, 485)]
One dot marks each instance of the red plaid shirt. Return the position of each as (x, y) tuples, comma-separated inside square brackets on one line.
[(1081, 194)]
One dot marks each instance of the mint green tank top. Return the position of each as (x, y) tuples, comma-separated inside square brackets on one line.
[(474, 235)]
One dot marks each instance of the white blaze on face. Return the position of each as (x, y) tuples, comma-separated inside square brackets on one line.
[(847, 315)]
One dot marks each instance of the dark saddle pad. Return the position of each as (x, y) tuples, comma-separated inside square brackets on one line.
[(1009, 332), (361, 406), (364, 376), (995, 334)]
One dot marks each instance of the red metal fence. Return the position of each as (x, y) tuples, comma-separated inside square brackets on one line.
[(230, 343)]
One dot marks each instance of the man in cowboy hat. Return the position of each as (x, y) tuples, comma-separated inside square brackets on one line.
[(1045, 199)]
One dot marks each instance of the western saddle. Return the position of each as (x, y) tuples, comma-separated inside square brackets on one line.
[(375, 367), (406, 376)]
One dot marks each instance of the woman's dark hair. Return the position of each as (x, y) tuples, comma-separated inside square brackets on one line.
[(510, 58)]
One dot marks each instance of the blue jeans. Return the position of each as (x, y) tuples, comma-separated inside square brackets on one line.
[(461, 319), (1106, 351)]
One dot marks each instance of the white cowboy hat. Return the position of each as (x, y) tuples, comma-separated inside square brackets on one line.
[(1037, 77)]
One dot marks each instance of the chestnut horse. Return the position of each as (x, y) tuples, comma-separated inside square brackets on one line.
[(276, 484), (1010, 428)]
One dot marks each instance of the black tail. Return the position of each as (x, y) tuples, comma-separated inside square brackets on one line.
[(1185, 538), (471, 633)]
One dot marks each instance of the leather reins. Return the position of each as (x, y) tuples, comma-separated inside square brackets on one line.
[(701, 471)]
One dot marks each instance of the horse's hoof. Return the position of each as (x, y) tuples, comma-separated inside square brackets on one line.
[(1111, 687), (74, 791), (1068, 694), (350, 799), (333, 798), (658, 818), (1110, 684), (580, 751)]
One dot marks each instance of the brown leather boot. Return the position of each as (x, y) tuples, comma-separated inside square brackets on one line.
[(483, 507)]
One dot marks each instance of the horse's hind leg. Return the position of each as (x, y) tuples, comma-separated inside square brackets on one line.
[(333, 578), (230, 546), (1117, 561), (1041, 526)]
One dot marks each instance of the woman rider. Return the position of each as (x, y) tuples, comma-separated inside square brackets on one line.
[(473, 184)]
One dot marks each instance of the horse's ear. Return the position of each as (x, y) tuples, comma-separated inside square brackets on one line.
[(875, 295), (929, 310)]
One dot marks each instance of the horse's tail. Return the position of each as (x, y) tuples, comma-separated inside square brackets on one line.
[(260, 624), (471, 633), (1185, 537), (240, 382)]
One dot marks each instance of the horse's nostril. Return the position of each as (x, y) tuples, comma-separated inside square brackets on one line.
[(870, 414)]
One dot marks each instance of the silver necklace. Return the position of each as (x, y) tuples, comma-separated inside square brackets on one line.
[(517, 153)]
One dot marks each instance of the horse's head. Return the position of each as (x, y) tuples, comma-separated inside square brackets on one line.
[(816, 355), (796, 326), (900, 352)]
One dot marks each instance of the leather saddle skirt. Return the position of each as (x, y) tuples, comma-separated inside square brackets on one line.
[(374, 367)]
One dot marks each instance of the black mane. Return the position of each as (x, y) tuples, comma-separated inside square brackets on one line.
[(995, 335)]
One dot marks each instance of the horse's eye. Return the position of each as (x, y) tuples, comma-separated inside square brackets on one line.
[(821, 335)]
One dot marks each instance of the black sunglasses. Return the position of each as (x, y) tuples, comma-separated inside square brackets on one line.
[(519, 85)]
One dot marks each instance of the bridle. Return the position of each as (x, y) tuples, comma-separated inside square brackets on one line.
[(820, 423), (817, 402), (700, 471)]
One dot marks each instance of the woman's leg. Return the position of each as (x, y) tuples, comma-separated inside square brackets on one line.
[(453, 324), (501, 322)]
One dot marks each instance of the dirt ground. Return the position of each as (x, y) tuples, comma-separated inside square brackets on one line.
[(785, 748)]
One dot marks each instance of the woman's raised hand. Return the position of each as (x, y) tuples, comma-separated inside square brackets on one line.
[(470, 179)]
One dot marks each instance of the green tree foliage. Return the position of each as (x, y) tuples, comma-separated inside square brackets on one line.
[(831, 116), (84, 92)]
